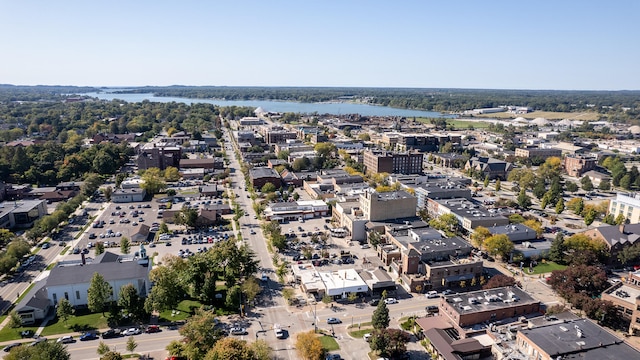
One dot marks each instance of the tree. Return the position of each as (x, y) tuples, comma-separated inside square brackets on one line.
[(98, 294), (557, 249), (200, 334), (153, 182), (625, 182), (570, 186), (576, 205), (391, 342), (445, 222), (14, 319), (479, 235), (130, 302), (46, 350), (309, 346), (587, 185), (582, 242), (102, 348), (107, 193), (171, 193), (99, 248), (590, 216), (499, 245), (268, 188), (131, 344), (535, 226), (112, 355), (620, 219), (171, 174), (64, 310), (605, 185), (499, 280), (629, 254), (380, 317), (560, 206), (250, 288), (498, 185), (587, 279), (524, 201), (230, 348), (486, 181), (187, 217), (125, 245), (539, 189)]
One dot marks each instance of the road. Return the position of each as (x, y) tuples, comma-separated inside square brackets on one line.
[(147, 343)]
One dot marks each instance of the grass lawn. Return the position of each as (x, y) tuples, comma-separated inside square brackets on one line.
[(461, 124), (360, 333), (329, 343), (64, 251), (185, 309), (550, 115), (8, 334), (368, 323), (51, 266), (82, 321), (548, 266)]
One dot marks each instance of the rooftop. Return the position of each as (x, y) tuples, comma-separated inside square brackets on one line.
[(20, 206), (469, 209), (492, 299), (625, 293), (111, 271), (510, 229), (263, 172)]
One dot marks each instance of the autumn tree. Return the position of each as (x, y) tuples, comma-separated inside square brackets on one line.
[(171, 174), (499, 280), (153, 181), (445, 222), (230, 348), (479, 235), (309, 346), (499, 245), (200, 334)]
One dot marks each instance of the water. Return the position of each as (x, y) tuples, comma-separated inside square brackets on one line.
[(336, 108)]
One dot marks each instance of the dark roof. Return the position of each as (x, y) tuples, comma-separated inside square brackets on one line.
[(263, 172), (594, 343), (105, 257), (612, 234), (81, 274), (448, 347), (39, 300)]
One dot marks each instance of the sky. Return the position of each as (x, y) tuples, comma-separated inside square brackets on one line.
[(544, 44)]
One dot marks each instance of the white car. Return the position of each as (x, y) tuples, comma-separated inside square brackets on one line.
[(432, 294), (390, 301), (367, 337), (131, 331)]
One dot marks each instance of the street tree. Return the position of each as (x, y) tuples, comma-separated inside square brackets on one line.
[(200, 334), (168, 288), (498, 185), (14, 319), (524, 201), (499, 245), (499, 280), (98, 294), (570, 186), (153, 181), (380, 318), (309, 346), (587, 185), (486, 181), (605, 185), (99, 248), (230, 348), (131, 344), (171, 174), (390, 342), (479, 235), (112, 355), (268, 188), (64, 310), (102, 348), (45, 350), (131, 302)]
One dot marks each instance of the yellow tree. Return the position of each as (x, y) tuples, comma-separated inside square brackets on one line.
[(479, 235), (309, 346), (535, 225), (171, 174), (499, 245)]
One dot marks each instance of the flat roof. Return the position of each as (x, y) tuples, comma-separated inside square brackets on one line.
[(19, 206), (510, 229), (492, 299), (625, 293), (342, 279), (579, 339), (469, 209)]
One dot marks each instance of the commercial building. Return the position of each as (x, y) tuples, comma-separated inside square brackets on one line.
[(159, 157), (263, 175), (574, 339), (627, 204), (517, 233), (625, 296), (532, 152), (576, 165), (128, 195), (377, 162), (206, 163), (470, 214), (21, 213), (382, 206), (295, 210), (469, 311)]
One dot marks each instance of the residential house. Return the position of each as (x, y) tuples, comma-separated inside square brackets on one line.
[(615, 237), (489, 167)]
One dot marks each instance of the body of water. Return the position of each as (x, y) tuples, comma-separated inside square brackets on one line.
[(335, 108)]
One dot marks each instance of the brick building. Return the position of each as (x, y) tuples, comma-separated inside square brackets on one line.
[(532, 152), (377, 162), (576, 165)]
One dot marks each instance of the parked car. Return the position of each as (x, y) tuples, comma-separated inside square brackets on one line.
[(390, 301), (88, 336), (68, 339), (332, 320), (238, 331), (432, 294), (131, 331), (152, 329), (432, 309), (333, 357), (111, 333), (11, 346), (367, 337), (374, 302)]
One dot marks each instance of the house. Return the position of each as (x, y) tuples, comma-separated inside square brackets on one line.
[(141, 234), (72, 282), (616, 237), (489, 167), (35, 308)]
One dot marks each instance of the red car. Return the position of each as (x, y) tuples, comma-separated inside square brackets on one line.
[(153, 329)]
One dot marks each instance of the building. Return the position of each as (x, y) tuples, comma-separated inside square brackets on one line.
[(532, 152), (251, 121), (442, 188), (34, 309), (389, 205), (159, 157), (206, 163), (128, 195), (446, 344), (469, 213), (211, 190), (576, 165), (625, 296), (574, 339), (263, 175), (21, 213), (627, 204), (275, 136), (616, 237), (597, 177), (468, 311), (72, 282), (489, 167), (517, 233), (296, 210), (392, 163)]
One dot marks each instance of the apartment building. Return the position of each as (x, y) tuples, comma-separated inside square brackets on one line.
[(377, 162), (627, 204)]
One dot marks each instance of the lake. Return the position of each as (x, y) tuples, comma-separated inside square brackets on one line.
[(335, 108)]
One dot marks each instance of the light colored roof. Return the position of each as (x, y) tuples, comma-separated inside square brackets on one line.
[(540, 121), (635, 129), (520, 119)]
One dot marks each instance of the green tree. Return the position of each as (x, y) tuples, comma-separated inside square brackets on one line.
[(587, 185), (131, 344), (479, 235), (626, 181), (171, 193), (380, 318), (545, 200), (268, 188), (524, 201), (499, 245), (102, 348), (14, 319), (557, 249), (125, 245), (605, 185), (539, 189), (167, 290), (571, 186), (153, 181), (45, 350), (198, 334), (486, 181), (187, 217), (99, 248), (560, 206), (445, 222), (64, 310), (498, 185), (590, 216), (99, 293), (130, 302), (629, 254), (171, 174), (107, 191), (112, 355), (620, 219)]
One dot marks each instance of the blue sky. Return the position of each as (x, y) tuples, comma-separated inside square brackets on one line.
[(452, 44)]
